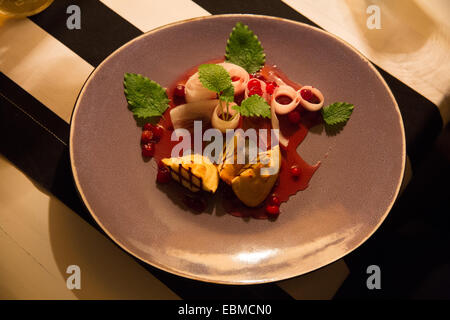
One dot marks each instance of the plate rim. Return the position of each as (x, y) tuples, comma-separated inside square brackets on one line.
[(233, 282)]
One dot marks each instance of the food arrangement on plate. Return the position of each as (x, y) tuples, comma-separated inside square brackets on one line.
[(233, 125)]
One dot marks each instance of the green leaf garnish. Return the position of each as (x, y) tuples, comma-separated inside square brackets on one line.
[(244, 49), (227, 95), (145, 97), (214, 77), (337, 113), (254, 106)]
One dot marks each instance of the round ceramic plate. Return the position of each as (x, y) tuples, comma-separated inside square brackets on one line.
[(347, 199)]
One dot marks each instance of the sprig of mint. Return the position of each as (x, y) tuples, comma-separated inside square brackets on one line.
[(227, 95), (145, 97), (214, 77), (217, 79), (254, 106), (244, 49), (337, 113)]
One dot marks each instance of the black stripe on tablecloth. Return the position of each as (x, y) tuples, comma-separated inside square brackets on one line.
[(102, 32), (35, 139), (421, 117), (273, 8)]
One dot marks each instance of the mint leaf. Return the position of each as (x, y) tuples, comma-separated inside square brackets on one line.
[(145, 97), (227, 95), (337, 113), (214, 77), (244, 49), (254, 106)]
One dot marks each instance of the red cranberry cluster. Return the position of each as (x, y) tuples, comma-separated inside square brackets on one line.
[(254, 86), (150, 135), (273, 205)]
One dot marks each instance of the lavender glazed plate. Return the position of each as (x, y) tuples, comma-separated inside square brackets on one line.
[(348, 198)]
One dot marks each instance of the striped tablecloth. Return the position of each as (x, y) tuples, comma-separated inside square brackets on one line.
[(43, 66)]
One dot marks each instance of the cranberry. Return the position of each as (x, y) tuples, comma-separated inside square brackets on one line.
[(294, 117), (270, 88), (306, 94), (179, 91), (158, 132), (255, 90), (163, 175), (295, 171), (148, 150), (274, 200), (235, 78), (272, 210), (254, 83), (148, 126), (146, 136)]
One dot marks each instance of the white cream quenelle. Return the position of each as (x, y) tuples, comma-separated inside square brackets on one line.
[(195, 91), (183, 116)]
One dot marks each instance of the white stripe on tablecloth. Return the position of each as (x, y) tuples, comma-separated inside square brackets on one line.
[(412, 45), (36, 61), (147, 15)]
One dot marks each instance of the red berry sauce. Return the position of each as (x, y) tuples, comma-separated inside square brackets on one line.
[(294, 117)]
